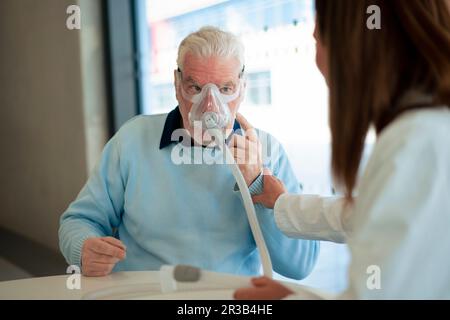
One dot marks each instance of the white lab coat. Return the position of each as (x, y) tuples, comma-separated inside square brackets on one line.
[(399, 224)]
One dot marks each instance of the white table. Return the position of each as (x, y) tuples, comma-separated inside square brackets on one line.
[(143, 284), (55, 287)]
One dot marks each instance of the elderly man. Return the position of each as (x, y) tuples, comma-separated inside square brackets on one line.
[(141, 208)]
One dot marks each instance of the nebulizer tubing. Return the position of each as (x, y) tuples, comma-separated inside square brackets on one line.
[(248, 204)]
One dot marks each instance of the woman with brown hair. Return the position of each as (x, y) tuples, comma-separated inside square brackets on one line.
[(396, 218)]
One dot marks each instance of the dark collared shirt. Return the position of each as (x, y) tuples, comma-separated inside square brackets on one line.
[(173, 122)]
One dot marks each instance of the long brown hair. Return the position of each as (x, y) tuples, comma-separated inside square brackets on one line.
[(371, 70)]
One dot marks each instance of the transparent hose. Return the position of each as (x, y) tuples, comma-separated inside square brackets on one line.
[(248, 205)]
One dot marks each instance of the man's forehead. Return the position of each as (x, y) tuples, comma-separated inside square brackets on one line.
[(194, 59), (218, 68)]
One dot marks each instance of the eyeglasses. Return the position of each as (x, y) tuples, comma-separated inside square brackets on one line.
[(192, 88)]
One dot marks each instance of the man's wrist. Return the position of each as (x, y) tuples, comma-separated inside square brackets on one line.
[(256, 187)]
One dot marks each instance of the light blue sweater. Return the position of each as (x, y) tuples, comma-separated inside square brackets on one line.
[(168, 214)]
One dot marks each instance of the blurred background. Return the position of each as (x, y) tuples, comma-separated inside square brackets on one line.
[(63, 94)]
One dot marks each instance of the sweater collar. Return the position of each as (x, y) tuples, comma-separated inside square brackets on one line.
[(173, 122)]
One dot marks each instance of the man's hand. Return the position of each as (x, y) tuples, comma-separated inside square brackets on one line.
[(264, 289), (100, 255), (246, 151), (273, 189)]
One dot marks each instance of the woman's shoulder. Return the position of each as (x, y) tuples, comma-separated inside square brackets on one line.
[(414, 132), (413, 149), (407, 175), (426, 123)]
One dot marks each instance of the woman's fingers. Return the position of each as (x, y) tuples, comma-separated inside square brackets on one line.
[(261, 281), (246, 294), (264, 289), (273, 188)]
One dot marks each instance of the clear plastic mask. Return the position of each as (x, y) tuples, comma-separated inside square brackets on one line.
[(210, 107)]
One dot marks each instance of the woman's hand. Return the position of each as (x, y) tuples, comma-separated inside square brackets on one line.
[(273, 188), (264, 289)]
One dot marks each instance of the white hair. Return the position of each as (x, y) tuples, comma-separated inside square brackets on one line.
[(211, 42)]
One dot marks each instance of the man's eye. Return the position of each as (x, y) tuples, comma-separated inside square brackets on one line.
[(195, 89), (226, 90)]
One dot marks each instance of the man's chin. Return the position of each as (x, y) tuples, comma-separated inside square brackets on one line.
[(206, 139)]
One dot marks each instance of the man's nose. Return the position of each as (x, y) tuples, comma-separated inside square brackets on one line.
[(209, 103)]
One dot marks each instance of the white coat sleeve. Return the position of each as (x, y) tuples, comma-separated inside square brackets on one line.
[(313, 217)]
